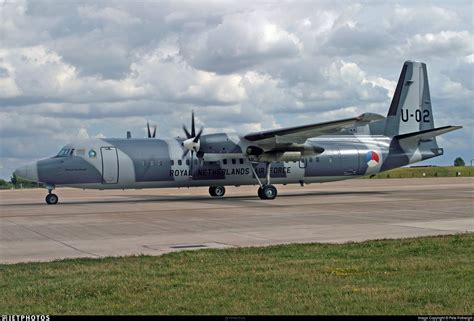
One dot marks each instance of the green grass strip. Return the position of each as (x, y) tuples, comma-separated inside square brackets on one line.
[(430, 275)]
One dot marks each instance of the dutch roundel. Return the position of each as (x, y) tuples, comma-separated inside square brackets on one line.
[(372, 159)]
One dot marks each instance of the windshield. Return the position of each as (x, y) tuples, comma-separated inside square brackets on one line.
[(65, 152)]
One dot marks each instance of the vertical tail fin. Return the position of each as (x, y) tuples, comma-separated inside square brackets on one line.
[(410, 110)]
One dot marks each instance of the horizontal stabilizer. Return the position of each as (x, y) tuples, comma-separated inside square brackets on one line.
[(427, 134)]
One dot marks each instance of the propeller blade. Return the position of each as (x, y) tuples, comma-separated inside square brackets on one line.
[(185, 153), (196, 139), (191, 167), (193, 128), (188, 135), (148, 129), (154, 132)]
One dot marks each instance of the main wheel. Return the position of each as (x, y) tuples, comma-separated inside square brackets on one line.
[(267, 192), (212, 190), (260, 193), (52, 199), (217, 191)]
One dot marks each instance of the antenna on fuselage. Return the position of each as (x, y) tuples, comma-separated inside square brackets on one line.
[(129, 134)]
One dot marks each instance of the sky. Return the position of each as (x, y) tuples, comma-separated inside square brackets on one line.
[(79, 69)]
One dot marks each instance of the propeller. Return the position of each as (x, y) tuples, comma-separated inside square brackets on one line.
[(150, 135), (192, 142)]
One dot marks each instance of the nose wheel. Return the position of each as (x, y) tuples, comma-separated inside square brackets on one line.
[(51, 199)]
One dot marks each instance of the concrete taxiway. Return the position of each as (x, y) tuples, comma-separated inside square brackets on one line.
[(156, 221)]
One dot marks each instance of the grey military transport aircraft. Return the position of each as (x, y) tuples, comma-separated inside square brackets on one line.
[(315, 153)]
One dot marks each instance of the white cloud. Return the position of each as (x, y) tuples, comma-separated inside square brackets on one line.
[(111, 14), (38, 73), (239, 42), (440, 44), (100, 69)]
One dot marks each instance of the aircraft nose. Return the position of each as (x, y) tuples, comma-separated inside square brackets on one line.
[(28, 172)]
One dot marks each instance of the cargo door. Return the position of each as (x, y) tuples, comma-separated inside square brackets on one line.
[(110, 166)]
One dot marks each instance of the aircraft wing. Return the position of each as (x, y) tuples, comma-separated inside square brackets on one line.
[(299, 134)]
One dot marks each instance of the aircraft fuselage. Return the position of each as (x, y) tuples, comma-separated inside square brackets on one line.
[(152, 163)]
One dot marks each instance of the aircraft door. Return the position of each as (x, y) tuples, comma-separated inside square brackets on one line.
[(110, 167), (303, 162), (349, 159)]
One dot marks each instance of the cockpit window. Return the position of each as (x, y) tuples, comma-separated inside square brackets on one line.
[(64, 152)]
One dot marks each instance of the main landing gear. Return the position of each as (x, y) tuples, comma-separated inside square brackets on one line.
[(265, 191), (51, 199), (217, 191)]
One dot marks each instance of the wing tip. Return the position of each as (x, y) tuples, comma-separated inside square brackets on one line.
[(369, 117)]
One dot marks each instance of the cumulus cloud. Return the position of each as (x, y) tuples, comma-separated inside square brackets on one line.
[(78, 70), (443, 44), (239, 42), (38, 74)]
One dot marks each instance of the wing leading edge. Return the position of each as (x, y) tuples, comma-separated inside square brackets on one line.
[(300, 134)]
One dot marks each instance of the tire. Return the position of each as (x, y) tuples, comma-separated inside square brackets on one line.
[(269, 192), (212, 190), (219, 191), (260, 193), (52, 199)]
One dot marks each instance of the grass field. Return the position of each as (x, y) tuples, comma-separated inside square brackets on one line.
[(435, 171), (432, 275)]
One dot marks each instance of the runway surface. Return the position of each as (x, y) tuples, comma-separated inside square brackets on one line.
[(156, 221)]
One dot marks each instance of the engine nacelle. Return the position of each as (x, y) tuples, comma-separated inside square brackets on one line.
[(280, 156)]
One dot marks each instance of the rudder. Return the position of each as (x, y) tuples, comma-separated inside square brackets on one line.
[(410, 110)]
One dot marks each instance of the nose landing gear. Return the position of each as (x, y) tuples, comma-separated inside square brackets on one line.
[(51, 199)]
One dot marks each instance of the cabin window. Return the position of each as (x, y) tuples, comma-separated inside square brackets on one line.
[(317, 159), (144, 163), (172, 162), (241, 161), (311, 159), (180, 162), (152, 163), (187, 162), (233, 161), (224, 161), (159, 163)]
